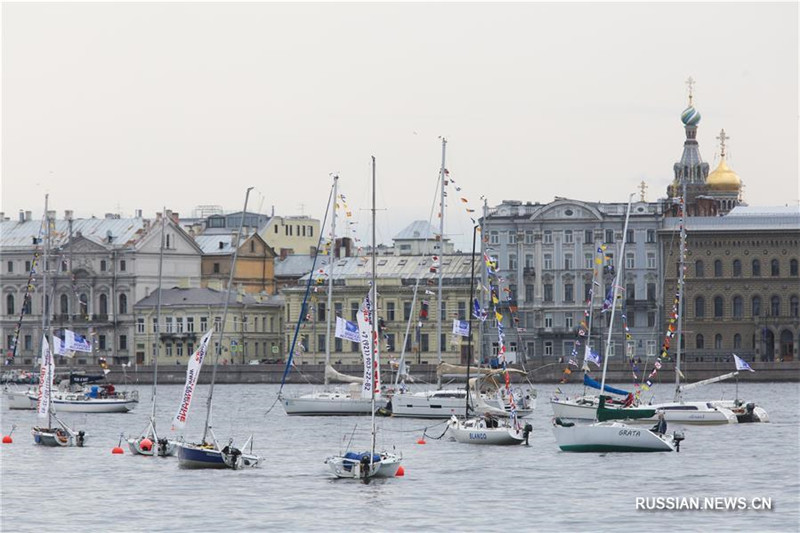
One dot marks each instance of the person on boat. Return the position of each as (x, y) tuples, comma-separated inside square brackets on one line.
[(628, 400), (661, 426)]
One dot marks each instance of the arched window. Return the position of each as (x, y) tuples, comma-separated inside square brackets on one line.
[(10, 304), (698, 342), (717, 341), (756, 306), (738, 307), (698, 269), (775, 268), (737, 268), (26, 305), (793, 267), (123, 304), (775, 306), (64, 304), (756, 268), (717, 268), (794, 306), (718, 306), (737, 342), (699, 307), (103, 304)]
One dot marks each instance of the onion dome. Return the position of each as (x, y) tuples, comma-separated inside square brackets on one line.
[(690, 116), (723, 178)]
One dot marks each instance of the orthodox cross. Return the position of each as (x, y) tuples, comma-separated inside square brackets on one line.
[(690, 82), (642, 188), (722, 138)]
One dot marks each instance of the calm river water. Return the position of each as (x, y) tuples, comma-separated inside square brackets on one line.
[(447, 486)]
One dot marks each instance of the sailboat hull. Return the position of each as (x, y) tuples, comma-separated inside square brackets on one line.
[(194, 456), (475, 431), (603, 437), (167, 449), (329, 404), (351, 468), (56, 437), (687, 413), (20, 399)]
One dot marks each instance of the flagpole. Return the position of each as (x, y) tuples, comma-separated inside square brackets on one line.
[(441, 263)]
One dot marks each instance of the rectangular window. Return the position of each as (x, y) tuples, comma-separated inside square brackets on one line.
[(28, 343), (179, 349), (548, 320), (651, 236), (528, 292), (567, 261), (337, 344), (548, 292), (424, 346), (168, 347), (548, 261), (629, 237), (630, 261), (512, 289), (10, 267), (548, 347), (122, 265), (390, 342), (651, 260), (569, 292), (168, 324), (353, 311), (443, 311), (494, 237), (320, 343), (216, 268), (609, 236), (217, 323), (630, 291), (587, 292), (203, 324), (462, 310), (321, 312), (528, 237), (27, 266), (101, 342), (548, 236), (651, 349), (528, 260), (190, 324), (390, 311), (651, 292), (512, 237), (651, 319), (568, 238), (140, 325), (406, 310), (179, 324), (568, 320), (631, 316), (588, 261), (588, 236), (512, 261)]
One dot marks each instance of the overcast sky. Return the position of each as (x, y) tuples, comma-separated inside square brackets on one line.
[(117, 107)]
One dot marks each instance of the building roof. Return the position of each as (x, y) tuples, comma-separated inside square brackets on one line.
[(394, 267), (762, 210), (417, 230), (210, 244), (181, 297), (294, 266), (741, 219), (124, 231)]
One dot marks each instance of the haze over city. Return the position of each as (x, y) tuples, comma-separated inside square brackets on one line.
[(111, 108)]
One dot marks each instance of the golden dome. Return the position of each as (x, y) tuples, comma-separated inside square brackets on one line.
[(723, 178)]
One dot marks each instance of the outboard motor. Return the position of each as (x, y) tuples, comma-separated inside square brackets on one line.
[(526, 431), (364, 465), (163, 445), (80, 438), (677, 437)]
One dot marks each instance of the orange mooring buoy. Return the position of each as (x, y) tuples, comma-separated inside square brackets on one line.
[(400, 471), (117, 450), (146, 444), (421, 441), (7, 439)]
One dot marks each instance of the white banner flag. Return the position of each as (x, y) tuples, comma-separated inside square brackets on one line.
[(346, 330), (367, 342), (46, 373), (76, 343), (460, 327), (192, 373)]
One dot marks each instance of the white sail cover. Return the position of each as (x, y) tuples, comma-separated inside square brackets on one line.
[(46, 373), (334, 375), (367, 343), (192, 373)]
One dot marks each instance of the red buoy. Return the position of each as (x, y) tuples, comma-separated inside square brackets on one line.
[(117, 450), (7, 439), (146, 444), (400, 471), (421, 441)]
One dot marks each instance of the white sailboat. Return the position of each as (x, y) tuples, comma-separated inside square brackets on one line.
[(208, 453), (368, 464), (337, 401), (483, 429), (61, 435), (607, 434), (149, 443)]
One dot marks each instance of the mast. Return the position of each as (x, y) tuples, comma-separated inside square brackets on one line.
[(681, 280), (158, 319), (469, 311), (45, 310), (224, 317), (373, 323), (614, 296), (442, 174), (587, 348), (331, 258)]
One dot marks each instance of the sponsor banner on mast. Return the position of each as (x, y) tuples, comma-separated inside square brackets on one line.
[(46, 373), (192, 373), (367, 342), (346, 330)]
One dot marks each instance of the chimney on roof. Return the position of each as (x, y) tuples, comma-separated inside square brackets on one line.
[(221, 245), (234, 239), (68, 214), (138, 213), (21, 215), (28, 216), (109, 215)]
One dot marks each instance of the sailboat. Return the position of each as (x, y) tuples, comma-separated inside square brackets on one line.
[(607, 434), (62, 435), (149, 443), (337, 401), (700, 412), (485, 429), (368, 464), (208, 453)]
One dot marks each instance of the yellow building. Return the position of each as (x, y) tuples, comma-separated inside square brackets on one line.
[(255, 262), (291, 235)]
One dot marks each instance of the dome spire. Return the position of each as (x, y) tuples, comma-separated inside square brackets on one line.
[(690, 82), (722, 138)]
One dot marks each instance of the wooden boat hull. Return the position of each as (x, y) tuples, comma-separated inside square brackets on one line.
[(603, 437)]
